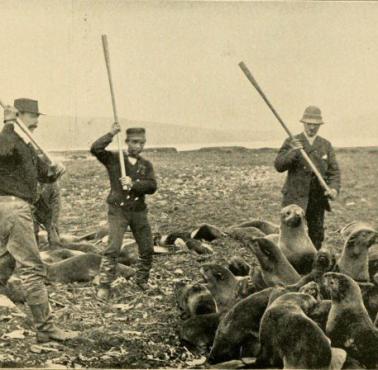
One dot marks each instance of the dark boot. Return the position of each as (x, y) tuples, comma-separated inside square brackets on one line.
[(46, 330)]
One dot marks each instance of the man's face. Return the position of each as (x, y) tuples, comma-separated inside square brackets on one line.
[(30, 120), (311, 129), (135, 144)]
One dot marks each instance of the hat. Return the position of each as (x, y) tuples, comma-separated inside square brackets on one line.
[(312, 115), (27, 105), (132, 131)]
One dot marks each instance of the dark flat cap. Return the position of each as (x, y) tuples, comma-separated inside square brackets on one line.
[(135, 131), (27, 105)]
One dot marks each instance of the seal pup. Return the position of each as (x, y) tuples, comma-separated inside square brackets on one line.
[(324, 262), (349, 325), (194, 299), (238, 330), (289, 337), (238, 266), (242, 233), (373, 261), (275, 268), (354, 256), (199, 331), (81, 268), (56, 255), (265, 227), (223, 285), (207, 232), (294, 240)]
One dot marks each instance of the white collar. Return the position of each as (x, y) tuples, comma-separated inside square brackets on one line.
[(310, 139), (132, 160)]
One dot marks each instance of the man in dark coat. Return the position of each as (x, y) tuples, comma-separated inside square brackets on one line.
[(302, 186), (20, 171), (126, 205)]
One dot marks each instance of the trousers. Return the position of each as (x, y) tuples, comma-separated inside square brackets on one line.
[(119, 219), (19, 250)]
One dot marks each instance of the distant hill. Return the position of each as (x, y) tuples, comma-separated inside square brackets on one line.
[(67, 133)]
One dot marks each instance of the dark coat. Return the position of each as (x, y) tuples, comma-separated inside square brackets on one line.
[(20, 167), (296, 189), (142, 175)]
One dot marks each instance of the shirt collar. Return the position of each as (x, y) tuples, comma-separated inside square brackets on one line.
[(310, 139)]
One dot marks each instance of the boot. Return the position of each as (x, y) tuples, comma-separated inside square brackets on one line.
[(46, 330)]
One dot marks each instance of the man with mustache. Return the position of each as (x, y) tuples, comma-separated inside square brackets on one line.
[(20, 171), (302, 186)]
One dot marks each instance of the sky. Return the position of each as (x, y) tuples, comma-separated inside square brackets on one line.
[(177, 62)]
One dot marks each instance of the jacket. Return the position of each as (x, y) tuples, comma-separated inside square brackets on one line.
[(300, 178)]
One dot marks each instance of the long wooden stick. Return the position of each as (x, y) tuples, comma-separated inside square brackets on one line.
[(107, 62), (30, 136), (252, 80)]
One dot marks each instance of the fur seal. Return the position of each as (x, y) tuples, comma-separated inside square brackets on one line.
[(223, 285), (238, 266), (241, 233), (349, 325), (207, 232), (81, 268), (324, 261), (294, 240), (198, 246), (199, 331), (354, 257), (373, 261), (57, 255), (265, 227), (289, 337), (170, 238), (194, 300), (128, 254), (275, 268), (238, 331)]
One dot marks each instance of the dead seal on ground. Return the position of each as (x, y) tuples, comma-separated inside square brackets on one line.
[(207, 232), (242, 233), (354, 260), (265, 227), (128, 254), (290, 338), (194, 299), (101, 231), (81, 268), (238, 266), (238, 331), (275, 268), (294, 240), (170, 238), (349, 325), (199, 331), (223, 285), (80, 246), (57, 255), (198, 246), (324, 262)]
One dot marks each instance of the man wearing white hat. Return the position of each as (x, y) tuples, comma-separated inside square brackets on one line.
[(302, 186)]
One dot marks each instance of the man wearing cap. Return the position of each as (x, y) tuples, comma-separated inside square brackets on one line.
[(20, 171), (126, 205), (302, 186)]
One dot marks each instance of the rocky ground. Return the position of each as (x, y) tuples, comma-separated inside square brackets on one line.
[(139, 329)]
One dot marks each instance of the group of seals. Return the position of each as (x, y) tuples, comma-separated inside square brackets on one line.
[(303, 301)]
